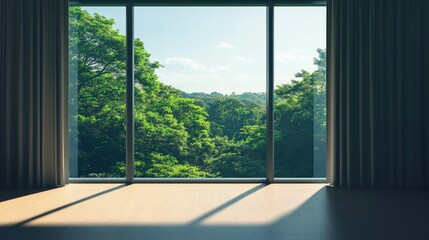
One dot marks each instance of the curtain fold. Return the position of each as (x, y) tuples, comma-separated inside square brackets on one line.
[(33, 92), (425, 89), (378, 93)]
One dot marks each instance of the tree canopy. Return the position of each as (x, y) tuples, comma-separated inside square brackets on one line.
[(180, 134)]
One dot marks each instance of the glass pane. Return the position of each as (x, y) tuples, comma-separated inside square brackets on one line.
[(97, 91), (199, 92), (300, 92)]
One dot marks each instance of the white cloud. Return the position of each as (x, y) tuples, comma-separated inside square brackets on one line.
[(225, 45), (221, 69), (243, 59), (182, 62), (294, 55), (189, 80)]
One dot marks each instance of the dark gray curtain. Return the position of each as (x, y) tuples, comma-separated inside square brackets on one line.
[(33, 107), (378, 87)]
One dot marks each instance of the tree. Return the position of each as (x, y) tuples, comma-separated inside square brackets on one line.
[(228, 115), (300, 113), (180, 134), (166, 123), (99, 66)]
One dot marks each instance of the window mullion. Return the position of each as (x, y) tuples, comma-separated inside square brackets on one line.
[(270, 92), (130, 92)]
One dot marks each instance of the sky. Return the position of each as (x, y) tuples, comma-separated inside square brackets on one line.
[(223, 49)]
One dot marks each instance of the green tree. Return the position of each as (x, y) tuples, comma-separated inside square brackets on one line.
[(228, 115), (99, 65), (300, 113), (166, 123), (181, 134)]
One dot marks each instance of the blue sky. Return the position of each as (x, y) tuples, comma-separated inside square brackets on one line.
[(223, 49)]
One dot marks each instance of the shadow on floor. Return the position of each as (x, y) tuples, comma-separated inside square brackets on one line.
[(12, 193), (22, 223), (329, 214)]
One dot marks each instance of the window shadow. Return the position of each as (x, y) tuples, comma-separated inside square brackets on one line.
[(12, 193), (227, 204), (68, 205)]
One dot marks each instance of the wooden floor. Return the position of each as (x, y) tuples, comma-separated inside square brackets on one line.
[(213, 211)]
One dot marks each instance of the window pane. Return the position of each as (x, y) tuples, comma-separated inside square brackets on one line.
[(199, 92), (97, 91), (300, 92)]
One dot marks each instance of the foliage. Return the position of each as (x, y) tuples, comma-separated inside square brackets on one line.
[(180, 134), (300, 122)]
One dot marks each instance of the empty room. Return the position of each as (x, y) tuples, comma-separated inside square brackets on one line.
[(214, 119)]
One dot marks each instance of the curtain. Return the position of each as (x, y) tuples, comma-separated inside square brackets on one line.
[(378, 93), (33, 107)]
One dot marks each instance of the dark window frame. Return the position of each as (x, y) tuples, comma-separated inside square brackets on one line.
[(129, 5)]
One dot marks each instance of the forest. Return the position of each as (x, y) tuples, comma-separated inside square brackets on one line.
[(179, 134)]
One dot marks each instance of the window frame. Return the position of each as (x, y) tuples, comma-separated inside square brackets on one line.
[(129, 5)]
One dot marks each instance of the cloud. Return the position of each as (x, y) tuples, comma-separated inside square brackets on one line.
[(182, 62), (221, 69), (226, 45), (295, 55), (181, 80), (243, 59)]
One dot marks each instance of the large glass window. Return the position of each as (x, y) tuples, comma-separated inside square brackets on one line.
[(200, 102), (300, 92), (200, 92), (97, 92)]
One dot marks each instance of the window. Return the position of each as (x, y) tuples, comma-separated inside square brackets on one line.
[(300, 92), (97, 92), (198, 92)]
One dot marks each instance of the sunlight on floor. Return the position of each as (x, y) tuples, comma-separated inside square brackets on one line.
[(157, 204)]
